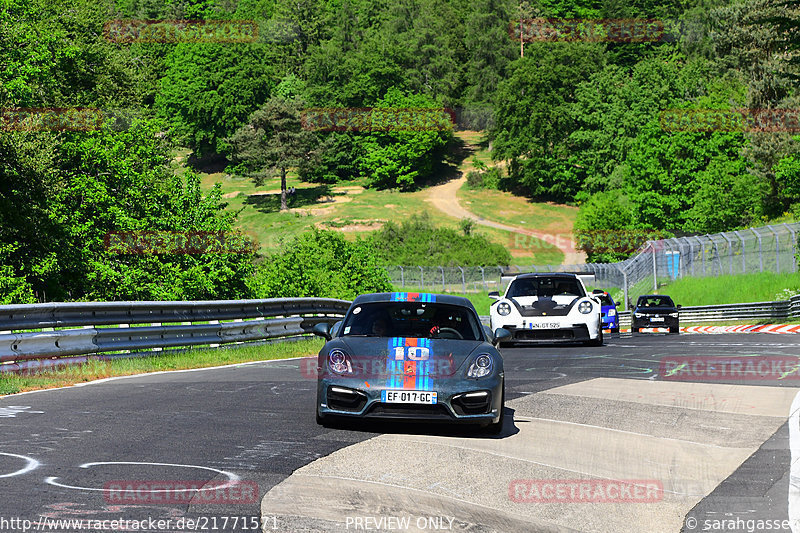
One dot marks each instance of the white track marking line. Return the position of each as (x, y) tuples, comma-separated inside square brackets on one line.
[(32, 464)]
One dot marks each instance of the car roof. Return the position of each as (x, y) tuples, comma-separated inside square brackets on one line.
[(413, 297)]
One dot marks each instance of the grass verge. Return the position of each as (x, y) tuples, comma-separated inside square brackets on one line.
[(759, 287), (178, 360)]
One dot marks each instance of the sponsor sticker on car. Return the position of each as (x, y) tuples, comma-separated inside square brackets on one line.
[(409, 396)]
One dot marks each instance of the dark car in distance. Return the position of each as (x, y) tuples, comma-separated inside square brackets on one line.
[(412, 356), (655, 311)]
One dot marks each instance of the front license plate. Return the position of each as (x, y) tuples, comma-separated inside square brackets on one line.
[(408, 396), (543, 325), (657, 319)]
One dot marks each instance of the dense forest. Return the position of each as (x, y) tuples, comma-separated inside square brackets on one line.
[(576, 122)]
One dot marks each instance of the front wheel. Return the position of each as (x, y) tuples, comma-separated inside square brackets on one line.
[(497, 427), (598, 341)]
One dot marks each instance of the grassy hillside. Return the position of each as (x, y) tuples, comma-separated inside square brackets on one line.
[(353, 209)]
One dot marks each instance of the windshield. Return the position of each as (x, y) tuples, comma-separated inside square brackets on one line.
[(655, 301), (545, 287), (605, 299), (412, 319)]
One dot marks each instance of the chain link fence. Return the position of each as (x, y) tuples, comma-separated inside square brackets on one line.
[(771, 248)]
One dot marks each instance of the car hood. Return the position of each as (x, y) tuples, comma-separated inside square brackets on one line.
[(537, 301), (375, 356)]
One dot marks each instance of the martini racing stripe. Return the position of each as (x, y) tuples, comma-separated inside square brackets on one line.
[(408, 373), (413, 297)]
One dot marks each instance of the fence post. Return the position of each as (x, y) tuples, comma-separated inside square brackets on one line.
[(691, 253), (625, 286), (483, 279), (744, 263), (441, 269), (760, 251), (422, 278), (730, 252), (655, 275), (794, 246), (702, 253), (463, 280), (777, 249), (402, 279)]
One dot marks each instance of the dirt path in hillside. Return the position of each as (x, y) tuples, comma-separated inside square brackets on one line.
[(444, 197)]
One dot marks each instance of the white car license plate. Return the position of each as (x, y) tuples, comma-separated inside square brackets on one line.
[(408, 396), (657, 319), (543, 325)]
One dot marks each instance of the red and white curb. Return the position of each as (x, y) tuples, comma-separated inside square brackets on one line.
[(760, 328)]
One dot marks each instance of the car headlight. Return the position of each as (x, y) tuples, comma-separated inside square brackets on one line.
[(585, 307), (339, 362), (638, 315), (674, 315), (612, 312), (481, 366), (503, 309)]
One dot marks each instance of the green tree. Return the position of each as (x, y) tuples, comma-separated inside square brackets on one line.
[(320, 264), (274, 140)]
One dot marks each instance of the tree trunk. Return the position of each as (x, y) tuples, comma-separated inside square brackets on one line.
[(284, 207)]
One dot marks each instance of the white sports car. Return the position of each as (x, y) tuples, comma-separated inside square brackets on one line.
[(548, 307)]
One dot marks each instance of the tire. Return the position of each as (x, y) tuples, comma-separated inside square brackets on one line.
[(497, 427), (598, 341)]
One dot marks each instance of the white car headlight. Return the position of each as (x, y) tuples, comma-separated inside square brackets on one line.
[(481, 366), (585, 307), (612, 312), (674, 315), (503, 309)]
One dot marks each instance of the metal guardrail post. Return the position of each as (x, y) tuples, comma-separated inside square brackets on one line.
[(760, 250)]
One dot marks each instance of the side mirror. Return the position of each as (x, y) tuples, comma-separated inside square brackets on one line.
[(323, 330), (494, 295), (631, 306), (678, 306), (500, 335)]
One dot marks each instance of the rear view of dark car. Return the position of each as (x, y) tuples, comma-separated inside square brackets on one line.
[(655, 311)]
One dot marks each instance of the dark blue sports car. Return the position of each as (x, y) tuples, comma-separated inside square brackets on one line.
[(609, 316), (411, 356)]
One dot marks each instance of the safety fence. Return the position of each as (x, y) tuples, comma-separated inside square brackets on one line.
[(771, 248)]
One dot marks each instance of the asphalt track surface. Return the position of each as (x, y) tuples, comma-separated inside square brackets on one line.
[(572, 412)]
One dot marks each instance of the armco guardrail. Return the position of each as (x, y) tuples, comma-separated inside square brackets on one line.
[(141, 326), (757, 311)]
